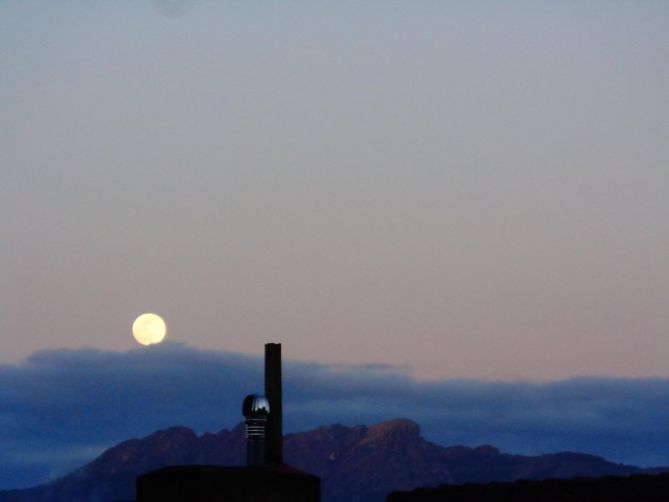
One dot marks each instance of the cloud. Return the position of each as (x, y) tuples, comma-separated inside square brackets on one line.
[(59, 409)]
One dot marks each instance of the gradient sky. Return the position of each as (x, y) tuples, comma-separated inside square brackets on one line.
[(463, 189)]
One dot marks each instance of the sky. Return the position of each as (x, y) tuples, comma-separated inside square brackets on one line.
[(465, 189), (452, 206)]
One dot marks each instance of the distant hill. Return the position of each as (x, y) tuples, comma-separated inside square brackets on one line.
[(356, 464)]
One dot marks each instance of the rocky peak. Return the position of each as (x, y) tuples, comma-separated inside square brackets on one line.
[(399, 429)]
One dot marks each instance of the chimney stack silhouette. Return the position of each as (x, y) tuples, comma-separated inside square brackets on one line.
[(273, 393)]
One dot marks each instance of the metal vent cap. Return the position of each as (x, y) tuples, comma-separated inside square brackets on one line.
[(255, 406)]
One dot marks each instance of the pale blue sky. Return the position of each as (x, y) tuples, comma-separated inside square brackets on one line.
[(466, 189)]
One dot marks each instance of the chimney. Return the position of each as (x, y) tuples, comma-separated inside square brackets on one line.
[(274, 439), (256, 410)]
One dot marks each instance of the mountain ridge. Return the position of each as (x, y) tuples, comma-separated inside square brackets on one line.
[(356, 464)]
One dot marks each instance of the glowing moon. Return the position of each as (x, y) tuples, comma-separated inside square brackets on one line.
[(149, 329)]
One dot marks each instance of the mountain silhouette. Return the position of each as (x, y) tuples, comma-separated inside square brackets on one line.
[(355, 464)]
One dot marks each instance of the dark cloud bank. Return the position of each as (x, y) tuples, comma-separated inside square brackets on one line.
[(59, 409)]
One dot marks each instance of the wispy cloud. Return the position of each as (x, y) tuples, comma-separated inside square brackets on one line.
[(59, 408)]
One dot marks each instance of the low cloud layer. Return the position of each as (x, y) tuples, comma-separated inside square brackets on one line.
[(59, 409)]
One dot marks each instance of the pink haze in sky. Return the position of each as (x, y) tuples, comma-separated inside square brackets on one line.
[(463, 189)]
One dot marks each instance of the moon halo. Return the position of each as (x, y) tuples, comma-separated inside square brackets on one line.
[(149, 329)]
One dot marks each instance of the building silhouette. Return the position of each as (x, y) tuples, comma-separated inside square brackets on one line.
[(636, 488), (265, 478)]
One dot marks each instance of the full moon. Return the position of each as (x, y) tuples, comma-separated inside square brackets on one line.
[(149, 329)]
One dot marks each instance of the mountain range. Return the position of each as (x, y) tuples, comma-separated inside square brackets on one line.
[(355, 464)]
